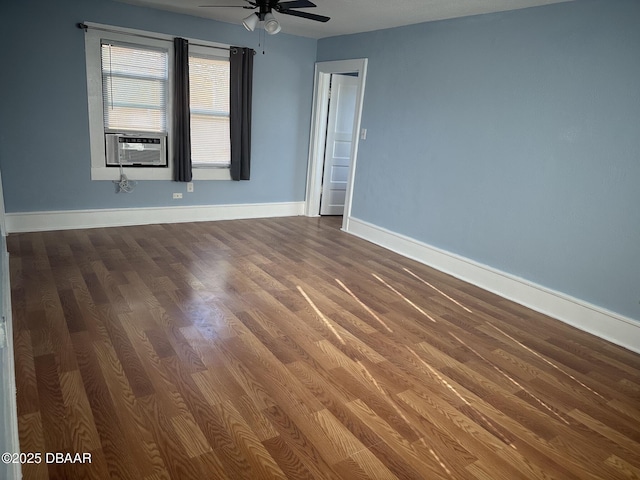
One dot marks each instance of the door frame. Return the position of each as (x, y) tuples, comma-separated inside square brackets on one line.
[(320, 110)]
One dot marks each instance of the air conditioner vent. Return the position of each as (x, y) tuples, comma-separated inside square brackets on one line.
[(136, 150)]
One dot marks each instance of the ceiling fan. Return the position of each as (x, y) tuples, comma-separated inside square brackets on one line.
[(265, 9)]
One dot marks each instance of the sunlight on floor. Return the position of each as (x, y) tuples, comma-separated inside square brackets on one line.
[(511, 379), (391, 402), (545, 360), (321, 315), (404, 298), (436, 289), (444, 382), (362, 304)]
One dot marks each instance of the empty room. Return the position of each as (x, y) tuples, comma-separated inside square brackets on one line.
[(272, 239)]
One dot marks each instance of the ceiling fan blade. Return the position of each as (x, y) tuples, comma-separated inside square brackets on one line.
[(309, 16), (294, 4)]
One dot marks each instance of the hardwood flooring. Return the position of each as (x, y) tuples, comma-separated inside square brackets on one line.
[(284, 348)]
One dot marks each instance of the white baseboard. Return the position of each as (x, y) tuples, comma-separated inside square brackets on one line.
[(590, 318), (119, 217)]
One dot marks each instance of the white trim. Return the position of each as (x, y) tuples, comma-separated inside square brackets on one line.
[(157, 173), (320, 109), (9, 404), (585, 316), (117, 217), (323, 71), (11, 438), (204, 173)]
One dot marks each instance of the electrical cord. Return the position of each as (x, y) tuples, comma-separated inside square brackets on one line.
[(124, 184)]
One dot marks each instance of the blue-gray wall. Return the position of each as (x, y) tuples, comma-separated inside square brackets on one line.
[(512, 139), (44, 140)]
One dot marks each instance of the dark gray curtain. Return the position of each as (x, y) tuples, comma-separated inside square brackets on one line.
[(181, 114), (241, 78)]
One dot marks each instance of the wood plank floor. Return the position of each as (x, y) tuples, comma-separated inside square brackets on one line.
[(284, 348)]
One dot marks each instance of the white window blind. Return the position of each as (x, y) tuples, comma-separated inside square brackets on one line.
[(134, 87), (209, 104)]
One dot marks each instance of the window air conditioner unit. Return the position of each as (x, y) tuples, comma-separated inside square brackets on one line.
[(136, 150)]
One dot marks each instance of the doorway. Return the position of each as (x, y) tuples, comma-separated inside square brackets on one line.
[(343, 89), (337, 172)]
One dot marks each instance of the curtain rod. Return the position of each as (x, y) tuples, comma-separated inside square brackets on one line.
[(85, 27)]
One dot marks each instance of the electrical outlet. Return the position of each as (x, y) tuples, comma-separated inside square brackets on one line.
[(190, 187), (177, 195)]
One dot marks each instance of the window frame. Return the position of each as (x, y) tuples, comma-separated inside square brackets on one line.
[(93, 38)]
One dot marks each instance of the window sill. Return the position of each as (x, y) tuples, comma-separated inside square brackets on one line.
[(211, 174), (150, 173)]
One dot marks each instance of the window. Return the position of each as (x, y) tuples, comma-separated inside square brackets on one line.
[(135, 83), (130, 84), (209, 105)]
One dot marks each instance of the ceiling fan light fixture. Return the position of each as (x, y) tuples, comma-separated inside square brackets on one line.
[(251, 22), (271, 25)]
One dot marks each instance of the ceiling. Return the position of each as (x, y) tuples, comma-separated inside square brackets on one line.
[(349, 16)]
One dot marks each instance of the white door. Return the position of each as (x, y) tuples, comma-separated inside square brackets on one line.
[(337, 155)]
